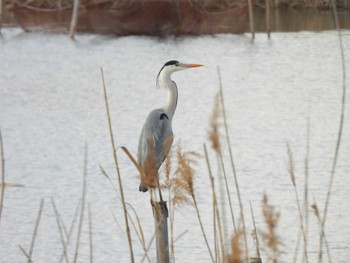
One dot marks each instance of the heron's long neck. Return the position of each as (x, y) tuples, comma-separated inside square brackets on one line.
[(171, 103)]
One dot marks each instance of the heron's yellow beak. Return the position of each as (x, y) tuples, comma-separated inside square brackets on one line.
[(193, 65)]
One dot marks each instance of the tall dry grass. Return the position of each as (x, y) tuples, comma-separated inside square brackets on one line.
[(302, 4), (2, 185), (233, 166), (272, 240), (340, 128), (184, 186), (121, 191), (291, 170)]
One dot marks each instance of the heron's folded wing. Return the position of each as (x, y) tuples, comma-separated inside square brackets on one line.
[(154, 134)]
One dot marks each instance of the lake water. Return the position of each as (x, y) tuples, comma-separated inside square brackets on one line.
[(51, 104)]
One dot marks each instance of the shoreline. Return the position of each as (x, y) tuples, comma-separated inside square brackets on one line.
[(163, 21)]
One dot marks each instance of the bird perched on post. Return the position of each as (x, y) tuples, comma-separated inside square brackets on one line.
[(157, 135)]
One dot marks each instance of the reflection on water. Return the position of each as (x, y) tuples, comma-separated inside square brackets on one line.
[(292, 20), (281, 20)]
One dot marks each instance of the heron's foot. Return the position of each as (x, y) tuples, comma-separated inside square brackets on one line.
[(143, 188)]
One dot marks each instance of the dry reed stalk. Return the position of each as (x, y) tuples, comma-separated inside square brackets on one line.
[(214, 137), (236, 255), (116, 221), (2, 5), (74, 20), (3, 185), (215, 206), (148, 248), (168, 185), (306, 191), (117, 170), (82, 207), (31, 250), (255, 233), (90, 235), (270, 237), (315, 209), (232, 163), (251, 19), (139, 233), (341, 124), (306, 180), (71, 228), (25, 254), (268, 18), (216, 247), (183, 186), (151, 180), (60, 227), (292, 175)]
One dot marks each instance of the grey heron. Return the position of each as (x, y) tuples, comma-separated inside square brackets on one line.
[(157, 135)]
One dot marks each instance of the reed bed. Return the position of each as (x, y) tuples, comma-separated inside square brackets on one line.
[(212, 5)]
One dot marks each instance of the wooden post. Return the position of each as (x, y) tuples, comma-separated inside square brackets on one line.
[(1, 13), (251, 19), (268, 21), (74, 20), (160, 213)]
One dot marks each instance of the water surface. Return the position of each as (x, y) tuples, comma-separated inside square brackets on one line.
[(51, 104)]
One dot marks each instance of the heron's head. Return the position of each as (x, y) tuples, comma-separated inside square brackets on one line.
[(173, 66)]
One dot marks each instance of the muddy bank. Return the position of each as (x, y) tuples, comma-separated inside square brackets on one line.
[(161, 18)]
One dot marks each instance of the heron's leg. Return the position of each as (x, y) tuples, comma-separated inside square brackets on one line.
[(160, 192)]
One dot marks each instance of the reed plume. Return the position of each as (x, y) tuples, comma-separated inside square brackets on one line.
[(270, 237), (315, 210), (184, 177), (237, 252), (214, 137), (183, 185)]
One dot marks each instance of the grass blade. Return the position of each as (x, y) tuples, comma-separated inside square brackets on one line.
[(90, 236), (2, 187), (233, 165), (30, 254), (292, 175), (255, 232), (117, 169), (60, 227), (340, 129), (25, 254), (70, 231), (82, 207), (215, 203), (140, 232)]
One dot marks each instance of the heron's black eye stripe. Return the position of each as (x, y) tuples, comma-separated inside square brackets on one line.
[(163, 115), (171, 62)]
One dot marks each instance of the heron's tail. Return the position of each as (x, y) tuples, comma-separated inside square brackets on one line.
[(143, 188)]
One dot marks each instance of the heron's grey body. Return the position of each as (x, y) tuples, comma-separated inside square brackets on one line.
[(156, 135)]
